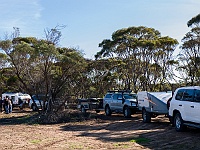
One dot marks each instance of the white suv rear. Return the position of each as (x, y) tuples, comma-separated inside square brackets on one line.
[(184, 107)]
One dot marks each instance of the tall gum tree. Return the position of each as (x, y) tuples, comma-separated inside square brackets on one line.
[(194, 21), (44, 68), (189, 61), (189, 57), (137, 48)]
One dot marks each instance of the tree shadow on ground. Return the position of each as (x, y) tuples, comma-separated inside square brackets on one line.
[(15, 120), (159, 134), (19, 116)]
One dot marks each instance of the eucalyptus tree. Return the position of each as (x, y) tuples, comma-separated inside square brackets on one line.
[(101, 76), (19, 54), (190, 56), (42, 67), (146, 48), (194, 21), (163, 58), (7, 77), (138, 48), (67, 73), (126, 45)]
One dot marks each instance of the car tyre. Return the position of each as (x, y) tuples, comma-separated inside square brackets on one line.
[(178, 122), (146, 116), (34, 107), (97, 111), (83, 110), (108, 111), (127, 112)]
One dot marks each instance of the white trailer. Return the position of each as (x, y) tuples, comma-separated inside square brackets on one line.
[(18, 99), (153, 104)]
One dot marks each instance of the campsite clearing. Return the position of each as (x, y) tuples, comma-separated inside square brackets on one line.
[(96, 131)]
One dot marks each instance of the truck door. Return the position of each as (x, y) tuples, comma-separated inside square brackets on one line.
[(195, 107), (113, 104), (119, 103), (188, 105)]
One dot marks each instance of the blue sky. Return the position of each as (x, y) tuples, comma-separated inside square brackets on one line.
[(89, 22)]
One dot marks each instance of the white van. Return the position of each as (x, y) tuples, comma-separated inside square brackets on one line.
[(18, 99)]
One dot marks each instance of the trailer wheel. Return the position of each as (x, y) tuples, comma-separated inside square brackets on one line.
[(127, 112), (178, 122), (146, 116), (107, 111), (97, 111)]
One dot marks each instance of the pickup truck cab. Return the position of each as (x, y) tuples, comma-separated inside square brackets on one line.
[(120, 101), (90, 104)]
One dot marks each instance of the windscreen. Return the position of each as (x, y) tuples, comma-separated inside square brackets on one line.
[(130, 96)]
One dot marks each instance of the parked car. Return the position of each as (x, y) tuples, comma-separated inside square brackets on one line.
[(120, 101), (38, 101), (184, 108), (90, 104), (153, 104)]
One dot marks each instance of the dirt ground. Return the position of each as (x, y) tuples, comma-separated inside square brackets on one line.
[(96, 131)]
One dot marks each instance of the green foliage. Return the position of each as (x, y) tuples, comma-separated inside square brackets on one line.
[(12, 80), (136, 58), (195, 20), (42, 67), (137, 50), (189, 56), (5, 45)]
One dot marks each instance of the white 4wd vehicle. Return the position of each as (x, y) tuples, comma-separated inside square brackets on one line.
[(120, 102), (184, 108), (38, 101)]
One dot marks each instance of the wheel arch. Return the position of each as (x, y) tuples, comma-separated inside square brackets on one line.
[(107, 105), (124, 107), (175, 112), (179, 122), (107, 109)]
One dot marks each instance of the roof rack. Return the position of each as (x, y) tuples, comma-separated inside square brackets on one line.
[(119, 91)]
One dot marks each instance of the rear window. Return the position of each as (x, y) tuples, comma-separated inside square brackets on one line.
[(197, 96), (188, 95), (185, 95), (108, 95), (179, 94), (130, 96)]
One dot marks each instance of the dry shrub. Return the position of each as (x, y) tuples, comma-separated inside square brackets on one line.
[(68, 115)]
